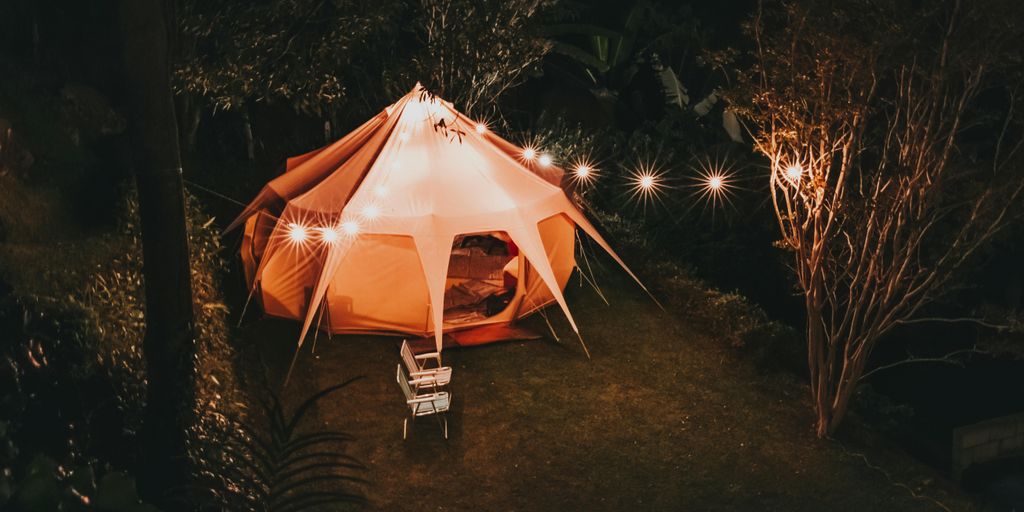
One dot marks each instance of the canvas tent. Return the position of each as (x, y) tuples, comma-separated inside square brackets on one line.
[(391, 228)]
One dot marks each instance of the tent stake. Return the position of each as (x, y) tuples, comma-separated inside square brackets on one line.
[(585, 350)]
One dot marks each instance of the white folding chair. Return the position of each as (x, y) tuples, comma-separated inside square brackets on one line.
[(428, 404), (422, 375), (418, 362)]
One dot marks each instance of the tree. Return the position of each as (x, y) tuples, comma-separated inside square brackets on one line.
[(169, 344), (474, 51), (321, 57), (295, 52), (894, 137)]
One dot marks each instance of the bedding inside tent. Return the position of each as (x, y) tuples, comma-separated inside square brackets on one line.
[(483, 272)]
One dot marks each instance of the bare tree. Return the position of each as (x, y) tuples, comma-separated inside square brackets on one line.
[(894, 139)]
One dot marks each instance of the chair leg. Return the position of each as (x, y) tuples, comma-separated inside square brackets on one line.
[(444, 425), (405, 428)]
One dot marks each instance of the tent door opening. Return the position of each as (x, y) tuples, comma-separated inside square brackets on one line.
[(483, 275)]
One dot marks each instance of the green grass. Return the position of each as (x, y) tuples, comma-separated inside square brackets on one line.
[(662, 418)]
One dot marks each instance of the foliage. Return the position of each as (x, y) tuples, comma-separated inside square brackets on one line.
[(732, 318), (892, 153), (73, 377), (317, 56), (116, 313), (474, 51), (613, 53), (47, 486), (295, 51), (279, 467)]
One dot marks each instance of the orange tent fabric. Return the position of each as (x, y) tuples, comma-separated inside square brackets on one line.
[(357, 236)]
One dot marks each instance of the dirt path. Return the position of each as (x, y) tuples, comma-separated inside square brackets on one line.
[(660, 419)]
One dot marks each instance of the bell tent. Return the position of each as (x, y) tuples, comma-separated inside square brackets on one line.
[(421, 221)]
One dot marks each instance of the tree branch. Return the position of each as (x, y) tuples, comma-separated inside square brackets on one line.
[(949, 358)]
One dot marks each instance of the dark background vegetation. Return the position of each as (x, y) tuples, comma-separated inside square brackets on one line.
[(259, 81)]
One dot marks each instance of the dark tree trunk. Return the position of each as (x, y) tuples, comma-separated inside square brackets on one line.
[(189, 116), (250, 146), (169, 344)]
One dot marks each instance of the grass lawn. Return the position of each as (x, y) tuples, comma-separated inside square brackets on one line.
[(662, 418)]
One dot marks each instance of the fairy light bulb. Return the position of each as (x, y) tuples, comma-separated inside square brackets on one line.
[(297, 233)]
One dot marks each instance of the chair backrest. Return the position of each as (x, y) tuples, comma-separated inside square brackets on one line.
[(408, 358), (403, 382)]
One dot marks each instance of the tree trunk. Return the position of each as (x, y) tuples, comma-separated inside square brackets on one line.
[(169, 344), (189, 115), (250, 149), (819, 361)]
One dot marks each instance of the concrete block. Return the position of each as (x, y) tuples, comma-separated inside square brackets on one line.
[(974, 438), (985, 451), (1011, 444), (1003, 430)]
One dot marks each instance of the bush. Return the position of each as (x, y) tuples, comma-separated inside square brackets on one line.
[(73, 379), (729, 317)]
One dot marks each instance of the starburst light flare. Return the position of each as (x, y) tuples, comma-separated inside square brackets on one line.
[(297, 233), (583, 172), (647, 184), (328, 235)]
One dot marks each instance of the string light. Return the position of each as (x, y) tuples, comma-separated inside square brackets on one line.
[(481, 128), (370, 212), (380, 191), (794, 172), (714, 182), (715, 186), (529, 153), (646, 184), (544, 160), (350, 227), (328, 235), (583, 172), (297, 233)]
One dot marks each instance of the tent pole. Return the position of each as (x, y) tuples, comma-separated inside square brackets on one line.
[(295, 357), (316, 332), (330, 328)]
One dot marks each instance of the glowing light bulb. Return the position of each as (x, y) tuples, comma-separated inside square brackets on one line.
[(583, 171), (371, 212), (529, 153), (794, 172), (380, 191), (647, 182), (350, 227), (481, 128), (715, 182), (297, 233), (328, 235), (545, 160)]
